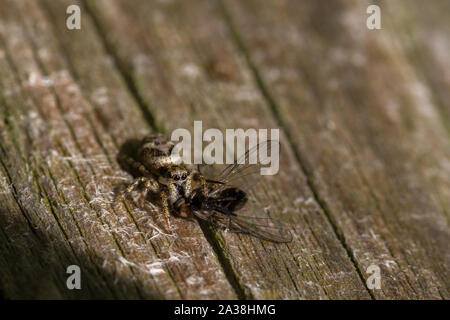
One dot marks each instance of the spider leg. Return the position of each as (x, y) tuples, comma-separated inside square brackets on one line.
[(150, 185), (129, 190), (196, 176), (165, 206), (135, 165), (188, 186)]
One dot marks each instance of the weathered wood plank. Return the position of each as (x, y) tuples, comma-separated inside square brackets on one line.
[(62, 123), (364, 171), (363, 124), (184, 65), (423, 32)]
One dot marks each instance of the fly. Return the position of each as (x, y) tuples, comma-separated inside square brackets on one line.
[(227, 203)]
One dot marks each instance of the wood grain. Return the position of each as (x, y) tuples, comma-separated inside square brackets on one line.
[(364, 127), (364, 173), (63, 122), (178, 77)]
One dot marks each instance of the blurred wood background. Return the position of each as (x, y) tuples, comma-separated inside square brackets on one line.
[(364, 118)]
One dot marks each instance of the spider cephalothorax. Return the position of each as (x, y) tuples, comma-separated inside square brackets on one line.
[(155, 153), (161, 174)]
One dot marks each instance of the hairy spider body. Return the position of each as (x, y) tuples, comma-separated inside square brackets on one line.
[(161, 174)]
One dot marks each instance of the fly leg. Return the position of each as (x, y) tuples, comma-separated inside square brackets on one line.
[(209, 216), (228, 223)]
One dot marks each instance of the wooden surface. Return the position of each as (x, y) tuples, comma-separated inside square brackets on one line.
[(364, 119)]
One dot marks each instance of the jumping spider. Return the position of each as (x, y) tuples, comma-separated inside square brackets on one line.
[(161, 175)]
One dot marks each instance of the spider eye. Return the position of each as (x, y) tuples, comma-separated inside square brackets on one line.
[(177, 177), (184, 176), (157, 143)]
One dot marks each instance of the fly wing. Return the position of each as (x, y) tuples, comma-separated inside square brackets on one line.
[(246, 172), (254, 221), (243, 175)]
